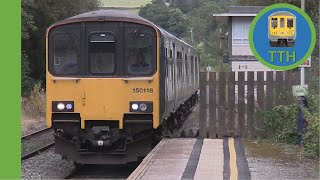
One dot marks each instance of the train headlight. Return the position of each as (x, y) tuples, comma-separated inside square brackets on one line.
[(60, 106), (134, 106), (143, 107)]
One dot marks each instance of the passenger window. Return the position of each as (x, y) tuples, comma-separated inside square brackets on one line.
[(102, 53), (290, 22), (274, 22), (166, 53), (66, 54), (282, 22)]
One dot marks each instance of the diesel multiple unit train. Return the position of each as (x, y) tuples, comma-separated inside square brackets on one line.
[(282, 29), (115, 82)]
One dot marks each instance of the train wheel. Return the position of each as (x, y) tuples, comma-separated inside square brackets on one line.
[(290, 44), (274, 44), (77, 165)]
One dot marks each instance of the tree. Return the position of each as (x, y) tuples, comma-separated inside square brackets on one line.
[(26, 26), (166, 17), (44, 13)]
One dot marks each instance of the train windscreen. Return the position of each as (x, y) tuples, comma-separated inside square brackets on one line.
[(290, 22), (110, 49), (274, 22), (66, 51), (140, 53)]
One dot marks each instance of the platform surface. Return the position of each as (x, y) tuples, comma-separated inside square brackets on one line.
[(180, 158)]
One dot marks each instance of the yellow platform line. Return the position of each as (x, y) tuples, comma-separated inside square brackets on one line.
[(233, 160)]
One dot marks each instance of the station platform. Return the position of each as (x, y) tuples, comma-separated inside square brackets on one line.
[(191, 158)]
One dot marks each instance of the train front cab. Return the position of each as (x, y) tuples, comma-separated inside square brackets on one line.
[(102, 107), (282, 29)]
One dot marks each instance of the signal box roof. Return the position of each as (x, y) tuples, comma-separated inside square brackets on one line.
[(238, 11)]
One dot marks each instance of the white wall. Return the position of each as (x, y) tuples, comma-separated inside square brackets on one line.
[(240, 35)]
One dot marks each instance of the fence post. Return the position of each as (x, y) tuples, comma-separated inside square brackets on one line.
[(203, 106), (241, 104), (231, 104), (269, 94), (221, 105), (260, 103), (212, 106), (250, 103)]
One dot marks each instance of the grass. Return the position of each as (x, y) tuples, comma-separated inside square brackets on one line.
[(124, 3)]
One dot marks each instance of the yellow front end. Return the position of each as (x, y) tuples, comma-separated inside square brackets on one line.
[(103, 98), (281, 26)]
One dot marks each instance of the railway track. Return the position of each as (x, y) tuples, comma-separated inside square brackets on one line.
[(32, 140), (102, 171), (32, 135)]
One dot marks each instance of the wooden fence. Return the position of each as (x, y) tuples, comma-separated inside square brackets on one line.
[(231, 106)]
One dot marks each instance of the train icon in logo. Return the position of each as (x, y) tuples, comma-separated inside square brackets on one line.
[(282, 29)]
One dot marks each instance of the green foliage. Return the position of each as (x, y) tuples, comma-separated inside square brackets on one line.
[(311, 137), (124, 3), (282, 120), (166, 17)]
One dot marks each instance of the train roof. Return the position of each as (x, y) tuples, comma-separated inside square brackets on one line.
[(119, 15)]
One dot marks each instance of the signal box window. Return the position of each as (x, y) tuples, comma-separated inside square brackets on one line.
[(289, 22), (66, 54), (102, 53), (274, 22)]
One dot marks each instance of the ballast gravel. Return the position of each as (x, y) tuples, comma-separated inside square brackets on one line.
[(46, 165)]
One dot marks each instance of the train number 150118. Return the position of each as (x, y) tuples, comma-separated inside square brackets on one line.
[(142, 90)]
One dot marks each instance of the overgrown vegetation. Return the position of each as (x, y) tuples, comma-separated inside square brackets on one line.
[(35, 104)]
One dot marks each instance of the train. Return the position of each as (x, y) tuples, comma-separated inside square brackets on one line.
[(282, 29), (115, 85)]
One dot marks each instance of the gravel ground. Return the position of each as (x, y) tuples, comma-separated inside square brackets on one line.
[(191, 123), (278, 161), (30, 125), (28, 146), (46, 165)]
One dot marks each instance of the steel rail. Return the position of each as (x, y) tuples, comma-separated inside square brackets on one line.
[(35, 133), (34, 153)]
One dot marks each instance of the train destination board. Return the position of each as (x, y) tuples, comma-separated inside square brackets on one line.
[(282, 36)]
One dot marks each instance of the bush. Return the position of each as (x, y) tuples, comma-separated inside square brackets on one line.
[(311, 137), (282, 120), (35, 105)]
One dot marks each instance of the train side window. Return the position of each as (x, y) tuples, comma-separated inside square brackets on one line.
[(192, 66), (290, 22), (166, 53), (282, 22), (66, 54), (186, 63), (102, 53), (274, 22)]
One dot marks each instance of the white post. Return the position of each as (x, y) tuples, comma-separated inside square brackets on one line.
[(302, 73)]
